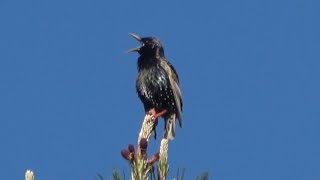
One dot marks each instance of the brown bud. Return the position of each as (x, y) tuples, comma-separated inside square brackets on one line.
[(131, 148), (125, 154), (154, 158), (143, 144), (157, 155)]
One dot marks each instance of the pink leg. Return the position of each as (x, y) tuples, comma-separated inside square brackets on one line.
[(155, 115), (154, 118)]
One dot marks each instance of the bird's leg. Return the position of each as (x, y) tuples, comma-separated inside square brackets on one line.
[(155, 115), (154, 118), (159, 114)]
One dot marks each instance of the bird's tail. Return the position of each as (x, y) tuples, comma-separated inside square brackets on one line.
[(170, 129)]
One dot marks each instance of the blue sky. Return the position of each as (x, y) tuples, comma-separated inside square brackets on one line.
[(249, 74)]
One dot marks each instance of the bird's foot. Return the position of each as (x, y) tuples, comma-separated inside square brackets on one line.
[(152, 113), (155, 115), (154, 118), (160, 114)]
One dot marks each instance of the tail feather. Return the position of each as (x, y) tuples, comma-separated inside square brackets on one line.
[(170, 127)]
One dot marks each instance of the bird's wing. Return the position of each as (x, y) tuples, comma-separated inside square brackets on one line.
[(174, 82)]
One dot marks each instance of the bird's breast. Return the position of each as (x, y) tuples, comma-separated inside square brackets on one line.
[(151, 79)]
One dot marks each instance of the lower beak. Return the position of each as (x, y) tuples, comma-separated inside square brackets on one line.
[(134, 50)]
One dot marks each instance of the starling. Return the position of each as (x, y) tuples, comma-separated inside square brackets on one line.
[(157, 84)]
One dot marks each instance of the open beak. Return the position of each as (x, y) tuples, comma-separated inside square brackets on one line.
[(138, 39)]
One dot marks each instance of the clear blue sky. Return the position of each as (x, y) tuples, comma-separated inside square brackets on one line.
[(249, 75)]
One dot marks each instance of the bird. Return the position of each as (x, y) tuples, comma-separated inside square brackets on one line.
[(157, 84)]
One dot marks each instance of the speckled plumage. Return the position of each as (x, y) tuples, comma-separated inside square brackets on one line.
[(157, 83)]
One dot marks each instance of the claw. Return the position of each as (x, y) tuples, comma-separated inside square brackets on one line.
[(155, 115), (154, 118)]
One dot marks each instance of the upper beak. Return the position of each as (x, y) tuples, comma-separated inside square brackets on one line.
[(138, 39), (135, 36)]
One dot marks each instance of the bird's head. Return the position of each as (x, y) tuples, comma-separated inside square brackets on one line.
[(150, 46)]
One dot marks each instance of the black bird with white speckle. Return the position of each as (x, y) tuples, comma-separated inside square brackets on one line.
[(157, 84)]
